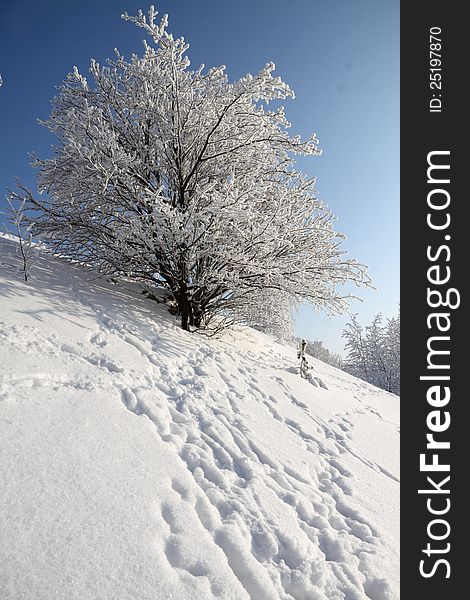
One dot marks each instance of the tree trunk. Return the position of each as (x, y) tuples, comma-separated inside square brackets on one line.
[(185, 305), (185, 309), (185, 320)]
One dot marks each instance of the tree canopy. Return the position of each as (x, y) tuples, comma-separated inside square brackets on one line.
[(183, 179)]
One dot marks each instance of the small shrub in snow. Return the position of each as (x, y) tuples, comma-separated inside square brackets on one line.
[(304, 367), (25, 249)]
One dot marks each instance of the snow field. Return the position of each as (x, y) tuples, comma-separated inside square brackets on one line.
[(140, 461)]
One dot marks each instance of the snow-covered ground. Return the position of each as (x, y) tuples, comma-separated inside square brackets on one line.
[(142, 462)]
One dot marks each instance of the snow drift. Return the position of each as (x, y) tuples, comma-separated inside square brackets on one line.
[(139, 461)]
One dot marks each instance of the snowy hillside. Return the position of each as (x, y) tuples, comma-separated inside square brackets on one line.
[(142, 462)]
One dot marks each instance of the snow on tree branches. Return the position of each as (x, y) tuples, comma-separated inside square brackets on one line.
[(374, 352), (182, 179)]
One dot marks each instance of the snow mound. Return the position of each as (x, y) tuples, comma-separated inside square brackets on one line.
[(139, 461)]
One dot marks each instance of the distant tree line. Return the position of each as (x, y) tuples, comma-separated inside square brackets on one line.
[(316, 349), (374, 352)]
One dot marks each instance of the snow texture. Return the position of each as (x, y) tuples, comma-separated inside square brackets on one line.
[(139, 461)]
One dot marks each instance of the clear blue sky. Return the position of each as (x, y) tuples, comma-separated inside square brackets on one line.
[(340, 56)]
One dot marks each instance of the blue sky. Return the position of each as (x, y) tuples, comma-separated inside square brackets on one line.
[(340, 57)]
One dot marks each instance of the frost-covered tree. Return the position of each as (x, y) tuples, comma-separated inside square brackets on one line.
[(374, 352), (357, 359), (392, 352), (183, 179)]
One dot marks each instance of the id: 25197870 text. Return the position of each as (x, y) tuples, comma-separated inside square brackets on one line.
[(435, 69)]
